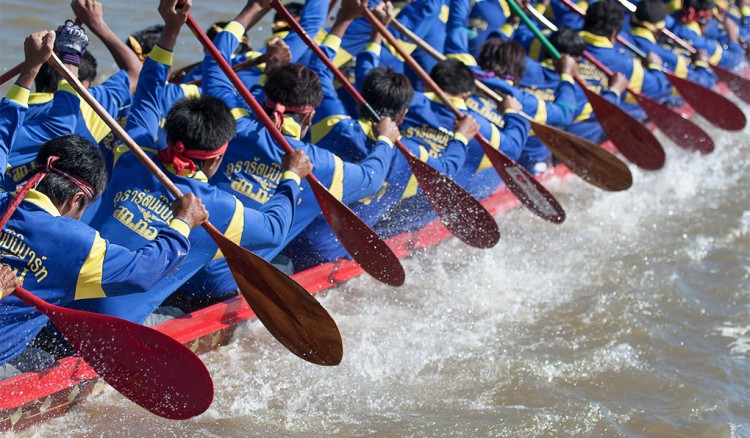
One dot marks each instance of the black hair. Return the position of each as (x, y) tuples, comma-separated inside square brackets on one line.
[(503, 58), (147, 38), (650, 11), (567, 40), (295, 9), (203, 123), (47, 78), (698, 5), (388, 93), (603, 17), (453, 77), (87, 69), (77, 156), (293, 84)]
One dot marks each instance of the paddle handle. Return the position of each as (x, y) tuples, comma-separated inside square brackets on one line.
[(8, 75), (535, 30), (118, 130), (34, 301)]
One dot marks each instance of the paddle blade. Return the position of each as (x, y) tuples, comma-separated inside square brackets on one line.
[(736, 83), (525, 187), (586, 159), (360, 241), (714, 107), (634, 141), (148, 367), (680, 130), (460, 212), (293, 316)]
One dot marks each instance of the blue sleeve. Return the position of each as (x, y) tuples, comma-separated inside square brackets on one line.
[(125, 271), (452, 158), (269, 226), (215, 82), (114, 93), (655, 84), (560, 112), (12, 113), (62, 119), (515, 132), (331, 105), (457, 36), (366, 61), (146, 112), (419, 16), (313, 16)]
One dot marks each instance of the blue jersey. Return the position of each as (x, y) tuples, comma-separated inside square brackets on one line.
[(13, 109), (730, 57), (251, 169), (682, 66), (61, 260)]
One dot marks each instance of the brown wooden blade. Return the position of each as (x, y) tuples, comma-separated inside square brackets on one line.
[(285, 308), (523, 185), (148, 367), (736, 83), (714, 107), (634, 141), (586, 159), (359, 240), (460, 212), (680, 130)]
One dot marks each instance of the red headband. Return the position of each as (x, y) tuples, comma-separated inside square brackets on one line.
[(85, 187), (279, 109), (181, 158)]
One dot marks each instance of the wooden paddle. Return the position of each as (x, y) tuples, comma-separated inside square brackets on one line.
[(586, 159), (362, 243), (631, 138), (460, 212), (518, 180), (714, 107), (737, 84), (293, 316), (148, 367)]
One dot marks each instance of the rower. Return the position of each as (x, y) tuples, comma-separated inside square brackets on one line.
[(646, 24), (198, 131), (389, 94), (252, 168)]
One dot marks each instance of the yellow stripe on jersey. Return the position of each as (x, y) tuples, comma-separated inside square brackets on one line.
[(235, 228), (495, 143), (89, 284), (323, 127), (412, 186), (337, 182)]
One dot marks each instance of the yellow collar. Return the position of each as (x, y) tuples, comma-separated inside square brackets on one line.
[(456, 101), (198, 174), (643, 33), (595, 40), (42, 201), (367, 128), (39, 98), (695, 27), (291, 127)]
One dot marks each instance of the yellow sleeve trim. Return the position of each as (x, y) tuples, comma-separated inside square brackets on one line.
[(462, 138), (323, 127), (19, 95), (291, 175), (716, 56), (89, 284), (239, 113), (566, 77), (191, 90), (466, 58), (374, 48), (445, 11), (181, 226), (337, 182), (235, 228), (745, 11), (332, 41), (236, 29), (681, 69), (385, 139), (161, 56), (654, 67), (703, 64), (540, 8)]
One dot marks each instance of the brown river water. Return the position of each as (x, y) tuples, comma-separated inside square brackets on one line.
[(630, 319)]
